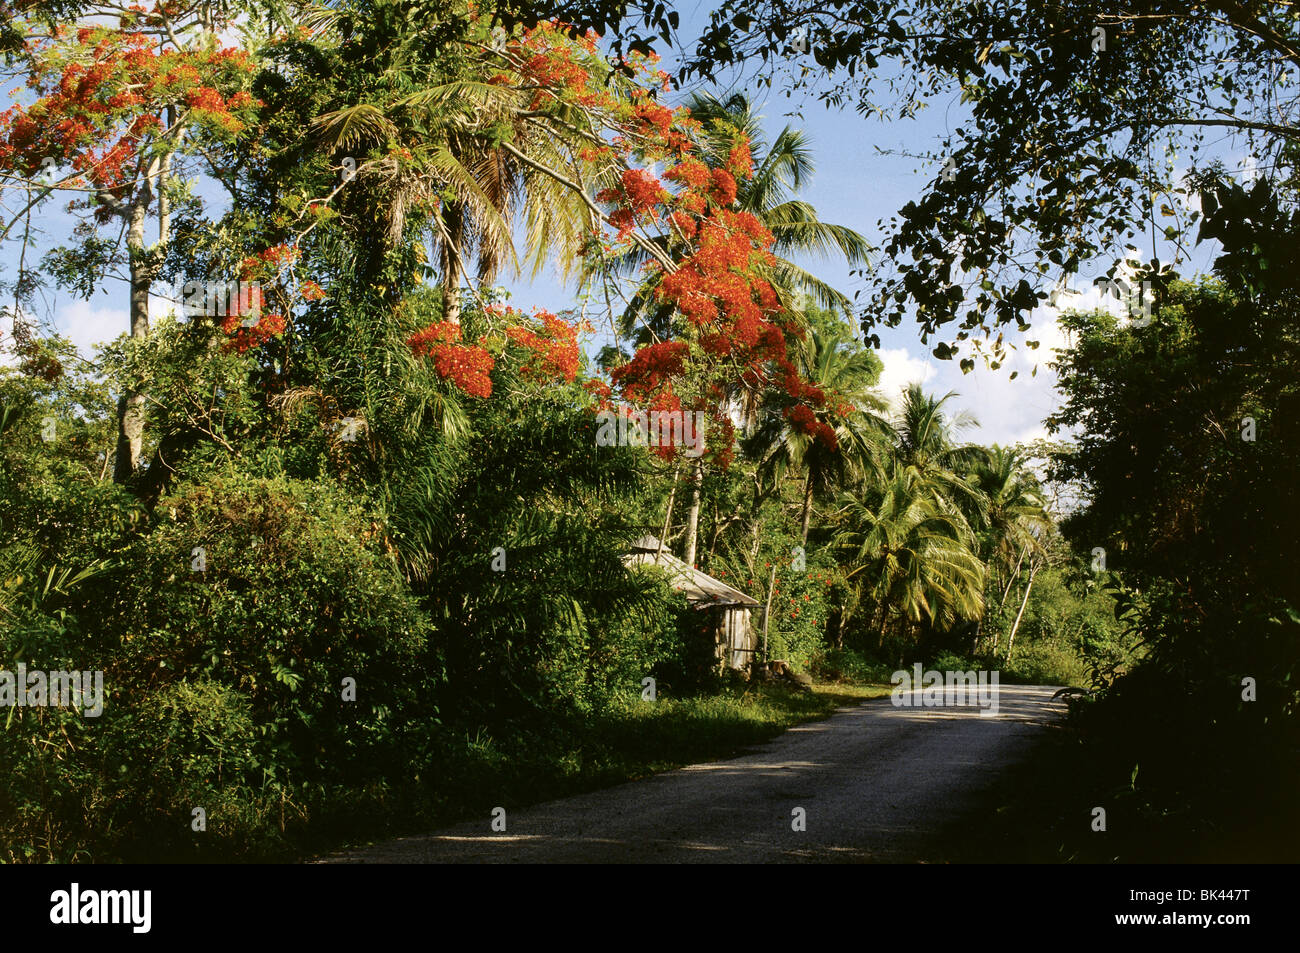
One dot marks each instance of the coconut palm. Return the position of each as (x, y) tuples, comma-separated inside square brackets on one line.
[(1015, 509), (927, 438), (910, 555), (479, 151), (1016, 521)]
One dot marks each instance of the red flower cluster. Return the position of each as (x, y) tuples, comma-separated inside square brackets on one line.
[(552, 72), (642, 194), (690, 173), (249, 301), (268, 262), (667, 401), (467, 366), (740, 162), (601, 391), (724, 188), (205, 97), (243, 339), (311, 291), (423, 342), (555, 349), (688, 225), (802, 416), (266, 265), (723, 450), (100, 97), (657, 118), (651, 367), (717, 286)]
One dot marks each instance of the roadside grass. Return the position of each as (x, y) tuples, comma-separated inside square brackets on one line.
[(526, 765)]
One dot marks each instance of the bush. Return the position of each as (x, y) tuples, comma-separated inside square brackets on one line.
[(849, 665), (225, 685)]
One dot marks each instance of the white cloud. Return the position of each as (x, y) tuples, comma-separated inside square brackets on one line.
[(88, 324), (901, 369), (1009, 411)]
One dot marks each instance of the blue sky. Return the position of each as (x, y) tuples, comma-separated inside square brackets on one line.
[(855, 185)]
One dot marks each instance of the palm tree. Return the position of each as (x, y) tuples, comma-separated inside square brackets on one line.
[(1015, 509), (479, 148), (926, 437), (909, 530), (911, 555), (928, 434)]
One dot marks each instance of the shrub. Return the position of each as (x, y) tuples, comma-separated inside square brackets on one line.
[(224, 685)]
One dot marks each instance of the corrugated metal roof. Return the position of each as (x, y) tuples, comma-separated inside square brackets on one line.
[(700, 588)]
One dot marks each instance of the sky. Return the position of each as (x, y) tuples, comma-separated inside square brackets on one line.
[(856, 184)]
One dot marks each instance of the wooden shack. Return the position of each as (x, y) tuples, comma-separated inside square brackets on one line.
[(728, 611)]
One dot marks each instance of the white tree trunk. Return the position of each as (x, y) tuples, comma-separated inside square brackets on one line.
[(693, 516), (1033, 569)]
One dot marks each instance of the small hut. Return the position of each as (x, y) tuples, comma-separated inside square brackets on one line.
[(728, 610)]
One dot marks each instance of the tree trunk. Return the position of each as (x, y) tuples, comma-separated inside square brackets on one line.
[(755, 543), (1033, 568), (909, 636), (847, 610), (693, 515), (668, 515), (767, 610), (1014, 573), (806, 518), (453, 242), (756, 535), (720, 527), (130, 406)]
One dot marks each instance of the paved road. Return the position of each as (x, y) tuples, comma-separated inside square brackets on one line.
[(876, 782)]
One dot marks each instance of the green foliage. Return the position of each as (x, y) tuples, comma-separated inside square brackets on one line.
[(224, 686), (1063, 155), (850, 665), (801, 608), (1198, 521), (327, 511)]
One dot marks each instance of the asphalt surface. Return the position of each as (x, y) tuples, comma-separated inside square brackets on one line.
[(876, 783)]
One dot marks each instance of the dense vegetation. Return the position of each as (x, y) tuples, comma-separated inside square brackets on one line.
[(349, 552)]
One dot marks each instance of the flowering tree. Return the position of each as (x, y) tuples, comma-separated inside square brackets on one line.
[(122, 110), (731, 332), (731, 339)]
